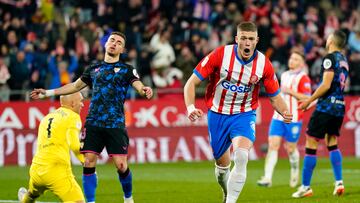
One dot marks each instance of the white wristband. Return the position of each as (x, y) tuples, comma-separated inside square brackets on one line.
[(190, 108), (48, 93)]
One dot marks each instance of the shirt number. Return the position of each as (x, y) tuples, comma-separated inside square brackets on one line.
[(49, 127)]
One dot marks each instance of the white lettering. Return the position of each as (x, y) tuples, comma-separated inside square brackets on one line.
[(164, 149), (145, 150), (144, 116), (10, 146), (36, 115), (202, 146), (21, 146), (182, 150), (14, 121), (164, 113)]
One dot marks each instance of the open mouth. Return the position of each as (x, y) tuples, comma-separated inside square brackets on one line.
[(247, 51)]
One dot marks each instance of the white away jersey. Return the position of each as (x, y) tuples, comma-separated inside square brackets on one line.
[(234, 84)]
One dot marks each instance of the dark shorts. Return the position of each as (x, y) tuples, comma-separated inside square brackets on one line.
[(321, 124), (94, 139)]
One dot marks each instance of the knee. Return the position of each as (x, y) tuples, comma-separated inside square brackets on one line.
[(290, 148), (89, 162), (241, 157), (121, 166)]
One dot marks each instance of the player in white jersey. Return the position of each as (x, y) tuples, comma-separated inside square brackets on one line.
[(235, 73), (295, 86)]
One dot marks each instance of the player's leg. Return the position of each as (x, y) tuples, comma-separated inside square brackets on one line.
[(276, 131), (291, 137), (316, 131), (238, 173), (117, 144), (294, 159), (65, 186), (89, 178), (220, 142), (243, 135), (92, 138), (222, 171), (35, 187), (270, 160), (336, 163), (308, 168)]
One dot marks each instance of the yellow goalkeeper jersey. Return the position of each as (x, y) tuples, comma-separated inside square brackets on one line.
[(58, 134)]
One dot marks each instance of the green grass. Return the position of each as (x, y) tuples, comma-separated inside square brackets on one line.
[(195, 182)]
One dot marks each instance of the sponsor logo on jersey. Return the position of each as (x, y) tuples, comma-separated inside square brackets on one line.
[(116, 69), (234, 88)]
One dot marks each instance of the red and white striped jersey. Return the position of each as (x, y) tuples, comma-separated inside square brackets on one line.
[(234, 84), (298, 81)]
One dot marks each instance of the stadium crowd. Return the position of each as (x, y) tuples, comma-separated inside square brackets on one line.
[(46, 44)]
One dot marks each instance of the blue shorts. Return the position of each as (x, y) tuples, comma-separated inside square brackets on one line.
[(223, 128), (290, 132)]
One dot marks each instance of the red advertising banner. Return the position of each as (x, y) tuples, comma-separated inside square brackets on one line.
[(159, 131)]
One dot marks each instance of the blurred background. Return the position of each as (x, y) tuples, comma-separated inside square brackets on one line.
[(49, 43)]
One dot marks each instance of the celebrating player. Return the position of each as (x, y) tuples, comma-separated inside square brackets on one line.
[(235, 73), (51, 169), (105, 122), (295, 85)]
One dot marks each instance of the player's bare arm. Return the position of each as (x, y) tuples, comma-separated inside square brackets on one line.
[(280, 106), (143, 90), (66, 89), (321, 90), (189, 97)]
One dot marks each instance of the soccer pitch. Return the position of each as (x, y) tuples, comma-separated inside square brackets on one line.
[(195, 182)]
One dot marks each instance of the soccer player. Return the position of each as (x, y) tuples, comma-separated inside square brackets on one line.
[(105, 122), (328, 116), (51, 168), (235, 73), (295, 86)]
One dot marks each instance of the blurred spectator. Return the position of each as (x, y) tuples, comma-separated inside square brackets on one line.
[(354, 59), (186, 29), (186, 62), (61, 71), (20, 73), (4, 76)]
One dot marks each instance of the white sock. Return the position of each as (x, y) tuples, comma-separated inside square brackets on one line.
[(222, 176), (237, 175), (270, 162), (294, 159)]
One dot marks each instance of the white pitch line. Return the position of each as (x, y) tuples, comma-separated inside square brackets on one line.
[(9, 201)]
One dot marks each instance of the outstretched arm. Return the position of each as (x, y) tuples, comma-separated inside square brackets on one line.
[(189, 97), (66, 89), (280, 106), (142, 90)]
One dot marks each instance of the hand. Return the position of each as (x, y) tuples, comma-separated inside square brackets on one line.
[(195, 114), (148, 93), (304, 105), (287, 117), (37, 94)]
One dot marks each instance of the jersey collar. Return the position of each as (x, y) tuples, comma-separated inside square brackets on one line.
[(242, 61)]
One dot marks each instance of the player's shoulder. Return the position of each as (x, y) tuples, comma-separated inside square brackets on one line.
[(329, 60)]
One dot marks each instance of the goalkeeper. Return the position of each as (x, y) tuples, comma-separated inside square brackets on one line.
[(51, 167)]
